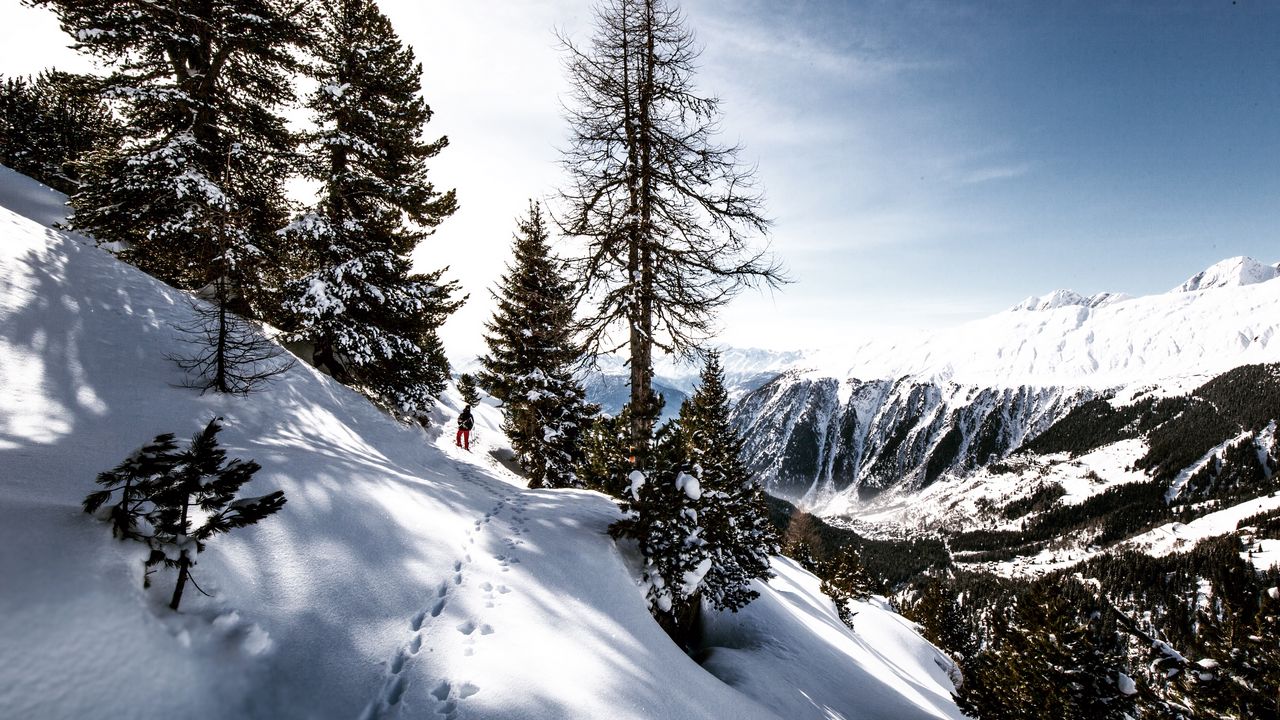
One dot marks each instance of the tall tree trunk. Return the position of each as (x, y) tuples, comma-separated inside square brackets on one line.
[(639, 319), (220, 362)]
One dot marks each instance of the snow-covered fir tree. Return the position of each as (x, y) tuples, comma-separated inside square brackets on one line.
[(532, 359), (738, 532), (200, 87), (664, 510), (605, 462), (371, 320), (699, 517)]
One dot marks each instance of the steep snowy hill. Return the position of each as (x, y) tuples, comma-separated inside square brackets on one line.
[(404, 578)]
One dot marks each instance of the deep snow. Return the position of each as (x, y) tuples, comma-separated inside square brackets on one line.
[(405, 577)]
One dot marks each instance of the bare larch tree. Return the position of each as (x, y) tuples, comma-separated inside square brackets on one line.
[(665, 212)]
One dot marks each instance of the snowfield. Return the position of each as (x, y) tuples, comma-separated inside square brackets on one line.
[(1221, 318), (404, 578)]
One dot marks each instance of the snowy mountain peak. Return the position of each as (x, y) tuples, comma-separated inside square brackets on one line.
[(1067, 298), (1232, 272)]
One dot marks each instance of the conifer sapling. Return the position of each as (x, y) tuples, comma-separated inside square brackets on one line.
[(175, 501)]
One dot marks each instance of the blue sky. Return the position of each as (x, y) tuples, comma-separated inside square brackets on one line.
[(925, 162)]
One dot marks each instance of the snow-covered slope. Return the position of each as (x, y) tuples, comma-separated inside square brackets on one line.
[(1150, 339), (404, 578)]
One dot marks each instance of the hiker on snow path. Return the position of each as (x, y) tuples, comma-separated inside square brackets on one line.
[(465, 423)]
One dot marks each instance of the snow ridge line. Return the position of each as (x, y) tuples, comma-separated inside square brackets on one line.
[(448, 693)]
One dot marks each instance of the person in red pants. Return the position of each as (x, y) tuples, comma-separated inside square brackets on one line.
[(465, 423)]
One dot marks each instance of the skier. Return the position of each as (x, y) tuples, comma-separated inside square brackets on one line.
[(465, 423)]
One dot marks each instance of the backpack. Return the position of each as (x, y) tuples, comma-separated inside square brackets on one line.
[(465, 421)]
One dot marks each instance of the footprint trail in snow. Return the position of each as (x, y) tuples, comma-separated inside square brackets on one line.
[(446, 694)]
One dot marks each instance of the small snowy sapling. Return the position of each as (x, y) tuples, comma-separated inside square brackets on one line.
[(174, 501)]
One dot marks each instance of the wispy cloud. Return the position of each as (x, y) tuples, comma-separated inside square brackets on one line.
[(995, 172)]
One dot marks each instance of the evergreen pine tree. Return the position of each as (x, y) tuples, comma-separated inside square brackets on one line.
[(200, 86), (50, 122), (664, 515), (137, 478), (532, 360), (938, 611), (605, 463), (1054, 657), (700, 520), (845, 579), (738, 533), (468, 390), (370, 319)]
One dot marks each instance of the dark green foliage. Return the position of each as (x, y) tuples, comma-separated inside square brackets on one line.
[(889, 562), (844, 579), (1196, 631), (136, 479), (1248, 395), (468, 390), (605, 458), (161, 485), (1114, 514), (533, 359), (662, 509), (1246, 398), (945, 452), (1042, 499), (1238, 473), (1095, 423), (700, 520), (371, 320), (1054, 655), (50, 122), (942, 617), (1185, 439), (194, 191), (739, 537), (1264, 524)]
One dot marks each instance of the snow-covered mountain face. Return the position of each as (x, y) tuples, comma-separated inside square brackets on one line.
[(1232, 272), (814, 439), (908, 412)]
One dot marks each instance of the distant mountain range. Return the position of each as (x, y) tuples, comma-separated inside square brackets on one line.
[(906, 412)]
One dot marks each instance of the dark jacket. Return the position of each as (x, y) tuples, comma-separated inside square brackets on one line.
[(465, 421)]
